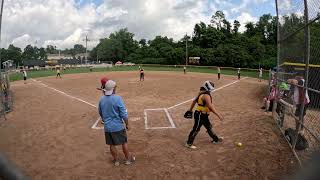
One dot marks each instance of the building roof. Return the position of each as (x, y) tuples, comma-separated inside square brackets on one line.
[(34, 62), (69, 61), (57, 56)]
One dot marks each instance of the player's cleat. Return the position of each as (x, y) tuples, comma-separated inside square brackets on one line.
[(219, 141), (116, 162), (128, 162), (190, 146)]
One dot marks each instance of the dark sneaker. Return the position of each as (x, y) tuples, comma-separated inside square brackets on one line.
[(219, 141)]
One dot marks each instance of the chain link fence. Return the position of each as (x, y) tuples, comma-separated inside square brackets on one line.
[(297, 79), (6, 104)]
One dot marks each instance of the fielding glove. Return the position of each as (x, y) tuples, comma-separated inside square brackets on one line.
[(188, 115)]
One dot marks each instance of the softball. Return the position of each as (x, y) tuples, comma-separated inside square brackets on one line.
[(239, 144)]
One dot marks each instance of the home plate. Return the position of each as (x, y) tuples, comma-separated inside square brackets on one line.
[(135, 119)]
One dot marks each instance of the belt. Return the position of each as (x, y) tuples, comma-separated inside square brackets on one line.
[(206, 113)]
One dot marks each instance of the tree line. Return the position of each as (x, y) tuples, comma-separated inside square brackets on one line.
[(34, 53), (218, 43)]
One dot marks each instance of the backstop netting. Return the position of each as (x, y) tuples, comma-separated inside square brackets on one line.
[(297, 79)]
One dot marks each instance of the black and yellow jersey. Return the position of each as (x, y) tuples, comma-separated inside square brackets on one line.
[(202, 106)]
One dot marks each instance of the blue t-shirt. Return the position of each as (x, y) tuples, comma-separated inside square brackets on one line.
[(112, 111)]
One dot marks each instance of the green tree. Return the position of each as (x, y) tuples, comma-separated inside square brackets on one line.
[(14, 53), (236, 25), (29, 53), (79, 48), (143, 42), (218, 43), (50, 49), (217, 19), (42, 54), (250, 31)]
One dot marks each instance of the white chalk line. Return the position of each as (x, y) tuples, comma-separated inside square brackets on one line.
[(95, 125), (161, 127), (145, 119), (213, 91), (68, 95), (170, 119), (158, 109), (168, 114)]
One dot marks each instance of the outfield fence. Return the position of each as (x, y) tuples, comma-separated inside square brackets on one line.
[(297, 79)]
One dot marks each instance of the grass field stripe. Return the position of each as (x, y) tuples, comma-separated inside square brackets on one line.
[(213, 91), (81, 100), (170, 119)]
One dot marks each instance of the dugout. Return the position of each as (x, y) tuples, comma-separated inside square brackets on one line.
[(33, 63), (73, 61), (313, 83)]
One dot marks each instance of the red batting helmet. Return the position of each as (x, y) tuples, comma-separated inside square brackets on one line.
[(103, 81)]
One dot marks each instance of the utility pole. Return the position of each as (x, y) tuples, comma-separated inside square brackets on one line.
[(2, 1), (86, 48), (186, 49), (97, 57)]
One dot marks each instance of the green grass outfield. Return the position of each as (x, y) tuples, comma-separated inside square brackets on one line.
[(212, 70)]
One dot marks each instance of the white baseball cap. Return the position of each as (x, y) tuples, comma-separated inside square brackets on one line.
[(109, 87)]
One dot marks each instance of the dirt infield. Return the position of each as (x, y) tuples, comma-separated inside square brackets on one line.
[(49, 134)]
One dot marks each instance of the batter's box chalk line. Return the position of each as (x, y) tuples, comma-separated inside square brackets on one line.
[(158, 109), (174, 106), (96, 123)]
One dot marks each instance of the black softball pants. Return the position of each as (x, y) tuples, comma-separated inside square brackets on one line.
[(199, 120)]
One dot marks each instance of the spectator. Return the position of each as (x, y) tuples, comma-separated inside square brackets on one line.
[(299, 97)]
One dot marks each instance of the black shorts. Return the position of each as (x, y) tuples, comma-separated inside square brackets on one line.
[(24, 78), (116, 138), (270, 106)]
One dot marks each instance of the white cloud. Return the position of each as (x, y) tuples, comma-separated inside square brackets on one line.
[(65, 22), (284, 4), (22, 40), (244, 18)]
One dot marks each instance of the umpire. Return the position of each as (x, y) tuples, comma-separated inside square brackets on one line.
[(201, 114)]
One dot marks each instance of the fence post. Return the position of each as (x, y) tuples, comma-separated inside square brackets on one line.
[(306, 71)]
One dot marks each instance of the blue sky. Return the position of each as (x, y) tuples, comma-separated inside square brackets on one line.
[(65, 22)]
